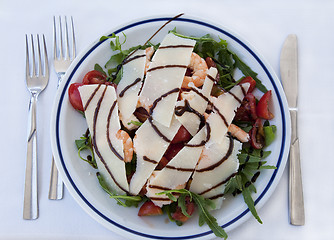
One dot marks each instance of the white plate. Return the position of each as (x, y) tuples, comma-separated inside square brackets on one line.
[(68, 125)]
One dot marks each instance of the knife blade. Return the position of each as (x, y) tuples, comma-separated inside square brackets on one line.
[(289, 76)]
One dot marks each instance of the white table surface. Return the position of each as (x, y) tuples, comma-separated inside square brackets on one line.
[(265, 24)]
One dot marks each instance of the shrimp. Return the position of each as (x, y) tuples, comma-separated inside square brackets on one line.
[(127, 144), (149, 52), (199, 69), (237, 132)]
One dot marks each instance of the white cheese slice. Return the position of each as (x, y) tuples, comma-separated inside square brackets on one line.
[(197, 100), (130, 83), (178, 170), (101, 112), (150, 147), (213, 171), (224, 108), (165, 74)]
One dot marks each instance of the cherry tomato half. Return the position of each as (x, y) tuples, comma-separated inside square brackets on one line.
[(74, 96), (94, 77), (149, 209), (257, 137), (179, 216), (247, 110), (262, 109), (251, 82), (182, 135)]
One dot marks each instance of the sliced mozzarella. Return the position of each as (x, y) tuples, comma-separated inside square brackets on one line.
[(178, 170), (130, 84), (165, 74), (217, 165), (150, 147), (101, 112), (197, 99)]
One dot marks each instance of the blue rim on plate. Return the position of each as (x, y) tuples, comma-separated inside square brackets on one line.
[(259, 61)]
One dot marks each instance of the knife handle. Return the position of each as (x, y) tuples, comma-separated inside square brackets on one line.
[(296, 200)]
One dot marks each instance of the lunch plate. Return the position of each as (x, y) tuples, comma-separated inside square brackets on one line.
[(67, 125)]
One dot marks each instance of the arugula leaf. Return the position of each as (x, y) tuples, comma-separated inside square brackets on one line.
[(129, 201), (97, 67), (247, 71), (137, 123), (250, 203), (202, 205), (85, 143)]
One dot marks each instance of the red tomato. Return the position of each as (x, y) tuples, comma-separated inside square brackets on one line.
[(251, 81), (179, 216), (162, 163), (172, 150), (262, 109), (74, 96), (247, 110), (182, 135), (94, 77), (149, 209), (257, 138)]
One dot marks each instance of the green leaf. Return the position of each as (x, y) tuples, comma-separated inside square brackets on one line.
[(137, 123), (247, 71), (269, 133), (97, 67), (129, 201), (202, 206), (250, 203)]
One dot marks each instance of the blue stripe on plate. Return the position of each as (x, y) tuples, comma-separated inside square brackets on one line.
[(193, 22)]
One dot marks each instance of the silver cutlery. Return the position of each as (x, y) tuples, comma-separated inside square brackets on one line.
[(289, 75), (62, 59), (36, 82)]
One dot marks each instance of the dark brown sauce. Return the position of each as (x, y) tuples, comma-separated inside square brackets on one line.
[(202, 143), (121, 94), (243, 90), (235, 97), (156, 101), (213, 106), (156, 129), (219, 184), (160, 199), (97, 109), (227, 155), (145, 158), (176, 46), (180, 110), (108, 137), (166, 66), (179, 169), (127, 60), (91, 97), (211, 78), (159, 187)]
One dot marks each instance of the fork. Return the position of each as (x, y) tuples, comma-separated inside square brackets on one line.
[(62, 59), (36, 83)]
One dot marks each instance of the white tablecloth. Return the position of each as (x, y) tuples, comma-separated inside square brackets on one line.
[(265, 24)]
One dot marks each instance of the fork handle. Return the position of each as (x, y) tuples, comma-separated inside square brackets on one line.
[(30, 205), (56, 188)]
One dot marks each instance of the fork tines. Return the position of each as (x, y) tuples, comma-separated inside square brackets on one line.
[(42, 66), (63, 25)]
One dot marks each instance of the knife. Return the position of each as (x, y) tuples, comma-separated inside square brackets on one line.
[(289, 75)]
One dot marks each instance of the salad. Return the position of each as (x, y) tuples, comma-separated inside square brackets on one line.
[(171, 130)]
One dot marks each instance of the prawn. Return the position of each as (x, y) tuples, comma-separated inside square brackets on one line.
[(237, 132), (199, 69), (127, 144)]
